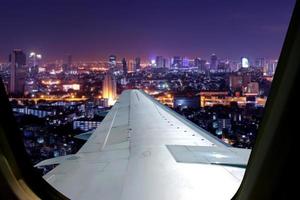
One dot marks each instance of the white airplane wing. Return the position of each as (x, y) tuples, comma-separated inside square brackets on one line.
[(143, 150)]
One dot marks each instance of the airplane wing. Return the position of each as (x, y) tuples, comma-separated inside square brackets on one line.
[(144, 150)]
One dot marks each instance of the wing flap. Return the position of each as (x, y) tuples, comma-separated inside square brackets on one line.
[(210, 155)]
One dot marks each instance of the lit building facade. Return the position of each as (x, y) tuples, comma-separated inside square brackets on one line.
[(109, 90)]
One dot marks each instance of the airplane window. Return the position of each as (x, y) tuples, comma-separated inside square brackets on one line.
[(82, 77)]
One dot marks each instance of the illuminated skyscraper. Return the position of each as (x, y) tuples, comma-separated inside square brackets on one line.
[(245, 62), (112, 61), (18, 71), (33, 63), (109, 88), (176, 62), (213, 62), (185, 62), (131, 66)]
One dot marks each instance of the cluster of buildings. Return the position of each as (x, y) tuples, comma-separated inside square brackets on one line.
[(57, 101)]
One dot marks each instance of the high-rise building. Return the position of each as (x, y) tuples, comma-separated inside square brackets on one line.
[(18, 72), (33, 63), (197, 62), (137, 63), (260, 62), (271, 67), (112, 61), (176, 62), (109, 88), (159, 62), (185, 62), (167, 63), (235, 66), (200, 64), (245, 62), (67, 64), (124, 66), (131, 66), (213, 62)]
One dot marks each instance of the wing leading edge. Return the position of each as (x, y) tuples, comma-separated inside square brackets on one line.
[(143, 150)]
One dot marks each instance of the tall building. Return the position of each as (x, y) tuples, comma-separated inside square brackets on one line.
[(185, 62), (137, 63), (176, 62), (167, 63), (124, 66), (18, 72), (34, 63), (245, 62), (109, 88), (112, 61), (213, 62), (67, 64), (131, 66), (260, 62), (159, 62), (197, 62), (271, 67), (234, 66)]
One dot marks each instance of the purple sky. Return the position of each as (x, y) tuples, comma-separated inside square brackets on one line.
[(94, 29)]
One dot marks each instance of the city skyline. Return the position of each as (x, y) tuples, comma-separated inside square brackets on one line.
[(65, 59), (91, 31)]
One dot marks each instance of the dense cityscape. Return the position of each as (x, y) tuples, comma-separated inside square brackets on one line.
[(58, 105)]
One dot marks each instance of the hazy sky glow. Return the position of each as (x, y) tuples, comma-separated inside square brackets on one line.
[(94, 29)]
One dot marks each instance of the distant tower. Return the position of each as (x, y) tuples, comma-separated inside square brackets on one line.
[(131, 66), (137, 63), (166, 62), (125, 67), (109, 88), (112, 61), (159, 62), (185, 62), (260, 62), (33, 63), (67, 65), (213, 62), (245, 62), (176, 62), (18, 73), (200, 64)]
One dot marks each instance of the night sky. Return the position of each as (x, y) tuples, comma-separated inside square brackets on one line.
[(94, 29)]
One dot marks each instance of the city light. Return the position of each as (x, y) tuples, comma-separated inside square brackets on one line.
[(245, 62)]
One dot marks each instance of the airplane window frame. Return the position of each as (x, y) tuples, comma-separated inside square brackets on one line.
[(19, 180)]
